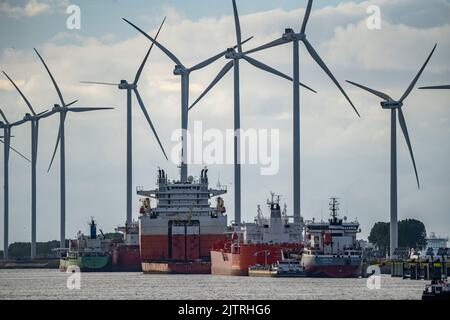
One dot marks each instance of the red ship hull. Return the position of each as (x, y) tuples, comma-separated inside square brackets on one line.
[(236, 261), (126, 258), (170, 267)]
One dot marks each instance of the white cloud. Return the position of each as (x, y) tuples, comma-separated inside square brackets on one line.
[(31, 8)]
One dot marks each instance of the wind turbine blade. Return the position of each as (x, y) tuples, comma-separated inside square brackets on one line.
[(265, 67), (436, 87), (413, 83), (402, 121), (375, 92), (245, 41), (138, 74), (83, 109), (72, 103), (56, 147), (160, 46), (207, 62), (238, 27), (52, 78), (3, 116), (322, 64), (101, 83), (47, 114), (21, 94), (271, 44), (20, 154), (219, 76), (306, 18), (144, 110)]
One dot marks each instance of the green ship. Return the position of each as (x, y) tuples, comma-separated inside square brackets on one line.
[(87, 253)]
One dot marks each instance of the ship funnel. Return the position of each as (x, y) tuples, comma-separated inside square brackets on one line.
[(93, 229)]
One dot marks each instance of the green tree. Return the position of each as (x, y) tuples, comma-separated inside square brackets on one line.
[(379, 236), (411, 234)]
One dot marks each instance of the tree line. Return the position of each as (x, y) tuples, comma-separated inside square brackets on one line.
[(411, 234)]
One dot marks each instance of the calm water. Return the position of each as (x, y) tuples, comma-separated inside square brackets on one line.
[(52, 284)]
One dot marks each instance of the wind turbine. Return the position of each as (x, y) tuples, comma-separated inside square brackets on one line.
[(184, 72), (291, 36), (34, 119), (7, 126), (436, 87), (394, 106), (130, 88), (63, 110), (235, 57)]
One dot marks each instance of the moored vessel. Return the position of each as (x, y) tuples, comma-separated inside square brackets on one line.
[(126, 256), (286, 268), (262, 242), (176, 236), (88, 253), (332, 249)]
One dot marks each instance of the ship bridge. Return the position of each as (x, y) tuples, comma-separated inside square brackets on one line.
[(190, 198)]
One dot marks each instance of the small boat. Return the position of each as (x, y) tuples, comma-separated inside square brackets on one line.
[(287, 268), (437, 290)]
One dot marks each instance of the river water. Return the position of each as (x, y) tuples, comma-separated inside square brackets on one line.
[(52, 284)]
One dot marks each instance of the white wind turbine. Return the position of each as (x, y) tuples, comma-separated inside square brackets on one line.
[(235, 57), (130, 88), (184, 72), (291, 36), (63, 110), (396, 107)]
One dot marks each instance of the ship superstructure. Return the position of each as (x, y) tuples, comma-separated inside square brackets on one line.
[(275, 229), (331, 246), (176, 235)]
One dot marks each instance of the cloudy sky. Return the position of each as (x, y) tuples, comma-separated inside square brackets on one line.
[(342, 155)]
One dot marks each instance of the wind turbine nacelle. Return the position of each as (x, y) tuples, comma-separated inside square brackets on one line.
[(289, 31), (56, 107), (27, 116), (179, 70), (391, 104), (123, 84), (289, 35), (232, 54)]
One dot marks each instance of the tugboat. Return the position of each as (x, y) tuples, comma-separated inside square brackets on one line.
[(437, 290), (262, 242), (286, 268), (88, 253), (332, 249)]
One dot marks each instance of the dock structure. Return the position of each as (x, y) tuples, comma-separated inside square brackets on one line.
[(421, 270)]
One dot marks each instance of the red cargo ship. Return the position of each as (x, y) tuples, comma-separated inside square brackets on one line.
[(263, 242), (331, 248), (126, 256), (178, 234)]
